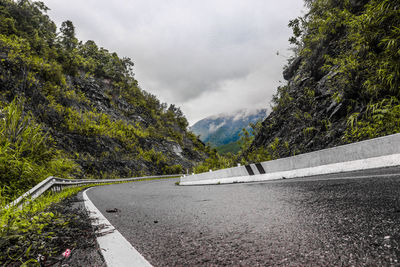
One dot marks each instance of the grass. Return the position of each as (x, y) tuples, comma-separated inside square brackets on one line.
[(27, 153), (26, 232)]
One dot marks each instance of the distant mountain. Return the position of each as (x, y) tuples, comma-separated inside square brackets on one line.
[(224, 128)]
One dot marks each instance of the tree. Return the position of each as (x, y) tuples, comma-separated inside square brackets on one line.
[(68, 39), (245, 139)]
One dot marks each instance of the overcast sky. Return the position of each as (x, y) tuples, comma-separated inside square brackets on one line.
[(205, 56)]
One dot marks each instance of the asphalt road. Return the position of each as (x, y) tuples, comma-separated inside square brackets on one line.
[(319, 221)]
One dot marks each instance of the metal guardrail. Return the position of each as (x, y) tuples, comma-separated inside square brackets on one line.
[(56, 184)]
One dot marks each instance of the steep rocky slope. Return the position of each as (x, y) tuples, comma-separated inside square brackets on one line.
[(89, 109), (343, 83)]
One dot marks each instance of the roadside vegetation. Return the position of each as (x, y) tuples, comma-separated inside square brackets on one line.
[(366, 63), (344, 78), (41, 228), (343, 83), (233, 148), (71, 109), (218, 160), (74, 109), (47, 227), (27, 154)]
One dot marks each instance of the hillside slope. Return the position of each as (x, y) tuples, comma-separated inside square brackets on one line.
[(343, 83), (85, 105)]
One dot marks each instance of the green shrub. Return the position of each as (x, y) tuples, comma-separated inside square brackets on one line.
[(32, 230), (27, 155), (174, 169), (380, 119)]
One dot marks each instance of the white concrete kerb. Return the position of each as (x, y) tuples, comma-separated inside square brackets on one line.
[(355, 165), (116, 250), (374, 153)]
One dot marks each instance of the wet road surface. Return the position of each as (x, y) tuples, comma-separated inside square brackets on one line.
[(318, 221)]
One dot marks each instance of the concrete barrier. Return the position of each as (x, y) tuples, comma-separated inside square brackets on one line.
[(369, 154)]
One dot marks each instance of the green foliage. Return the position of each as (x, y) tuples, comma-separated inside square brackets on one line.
[(366, 60), (295, 24), (245, 139), (308, 131), (154, 157), (369, 50), (233, 148), (67, 38), (81, 89), (215, 161), (380, 119), (59, 95), (247, 154), (27, 155), (38, 228), (174, 169), (326, 124), (32, 230), (101, 63), (270, 152), (91, 123), (346, 68), (282, 98)]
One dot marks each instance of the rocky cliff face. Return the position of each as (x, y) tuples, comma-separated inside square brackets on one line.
[(307, 117), (77, 129), (166, 152), (343, 83)]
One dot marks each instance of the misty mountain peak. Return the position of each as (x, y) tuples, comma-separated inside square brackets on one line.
[(224, 128)]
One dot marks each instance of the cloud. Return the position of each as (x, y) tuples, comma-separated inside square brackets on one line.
[(243, 113), (206, 56), (214, 127)]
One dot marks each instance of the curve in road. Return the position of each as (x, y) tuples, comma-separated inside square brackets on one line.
[(331, 220)]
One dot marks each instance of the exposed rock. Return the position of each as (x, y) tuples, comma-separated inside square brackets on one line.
[(292, 68), (101, 155), (322, 87)]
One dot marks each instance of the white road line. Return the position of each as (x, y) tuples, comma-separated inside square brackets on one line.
[(116, 250)]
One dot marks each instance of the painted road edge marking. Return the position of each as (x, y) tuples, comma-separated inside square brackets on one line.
[(116, 250)]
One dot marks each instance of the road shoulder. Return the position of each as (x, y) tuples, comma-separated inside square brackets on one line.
[(116, 250)]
